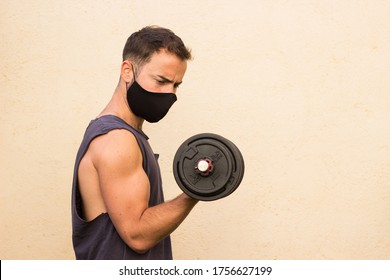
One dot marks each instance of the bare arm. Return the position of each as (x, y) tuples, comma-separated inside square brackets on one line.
[(125, 190)]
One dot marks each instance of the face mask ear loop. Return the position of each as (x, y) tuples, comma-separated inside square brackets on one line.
[(132, 67), (127, 84)]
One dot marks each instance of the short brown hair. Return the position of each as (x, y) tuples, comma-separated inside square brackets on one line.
[(141, 45)]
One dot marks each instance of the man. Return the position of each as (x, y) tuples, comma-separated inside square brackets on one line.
[(118, 208)]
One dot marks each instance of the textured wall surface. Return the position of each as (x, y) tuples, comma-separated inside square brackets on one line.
[(301, 87)]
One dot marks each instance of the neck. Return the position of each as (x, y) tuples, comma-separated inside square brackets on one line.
[(119, 107)]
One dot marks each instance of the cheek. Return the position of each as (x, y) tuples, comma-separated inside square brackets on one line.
[(147, 83)]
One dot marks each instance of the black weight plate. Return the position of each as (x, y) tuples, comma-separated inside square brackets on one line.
[(239, 166), (222, 167), (227, 165)]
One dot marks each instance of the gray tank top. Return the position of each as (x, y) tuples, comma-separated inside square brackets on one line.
[(98, 239)]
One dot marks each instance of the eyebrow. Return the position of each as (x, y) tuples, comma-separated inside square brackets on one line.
[(169, 81)]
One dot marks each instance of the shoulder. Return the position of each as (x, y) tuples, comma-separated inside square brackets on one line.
[(116, 147)]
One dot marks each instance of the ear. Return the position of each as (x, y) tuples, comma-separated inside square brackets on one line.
[(127, 71)]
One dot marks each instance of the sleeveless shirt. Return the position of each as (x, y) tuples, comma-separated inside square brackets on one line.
[(98, 239)]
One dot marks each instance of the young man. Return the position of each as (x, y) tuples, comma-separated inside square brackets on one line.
[(118, 208)]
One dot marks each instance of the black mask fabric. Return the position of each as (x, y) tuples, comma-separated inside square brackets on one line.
[(151, 106)]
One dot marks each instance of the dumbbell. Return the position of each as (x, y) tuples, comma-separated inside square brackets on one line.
[(208, 167)]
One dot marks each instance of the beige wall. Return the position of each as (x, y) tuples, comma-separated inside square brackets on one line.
[(302, 88)]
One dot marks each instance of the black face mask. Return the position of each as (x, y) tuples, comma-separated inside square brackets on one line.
[(151, 106)]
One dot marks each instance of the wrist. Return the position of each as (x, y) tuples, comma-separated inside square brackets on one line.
[(189, 198)]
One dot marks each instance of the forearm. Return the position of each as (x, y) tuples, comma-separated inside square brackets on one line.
[(159, 221)]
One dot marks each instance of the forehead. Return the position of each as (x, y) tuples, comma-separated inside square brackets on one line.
[(166, 64)]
